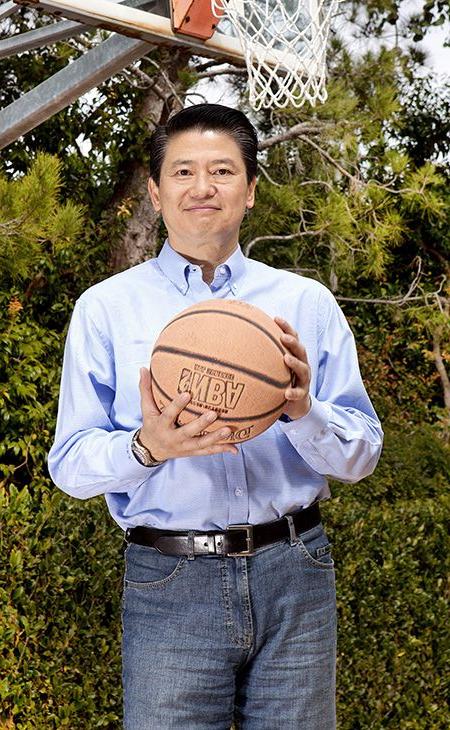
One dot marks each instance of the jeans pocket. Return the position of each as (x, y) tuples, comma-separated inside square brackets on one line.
[(315, 548), (146, 568)]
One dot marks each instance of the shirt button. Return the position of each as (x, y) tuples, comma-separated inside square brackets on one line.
[(222, 270), (238, 492)]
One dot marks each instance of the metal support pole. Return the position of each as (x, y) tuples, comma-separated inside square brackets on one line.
[(41, 37), (60, 31), (67, 85), (7, 9)]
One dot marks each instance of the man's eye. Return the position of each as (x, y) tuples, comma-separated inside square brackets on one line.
[(222, 171), (183, 172)]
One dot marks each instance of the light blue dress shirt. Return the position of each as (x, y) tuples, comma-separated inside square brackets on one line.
[(112, 332)]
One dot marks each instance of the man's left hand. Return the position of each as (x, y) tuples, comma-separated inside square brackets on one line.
[(297, 395)]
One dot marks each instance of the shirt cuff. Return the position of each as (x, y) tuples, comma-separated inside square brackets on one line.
[(133, 467), (302, 429)]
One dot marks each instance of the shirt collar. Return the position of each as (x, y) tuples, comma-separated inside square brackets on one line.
[(176, 267)]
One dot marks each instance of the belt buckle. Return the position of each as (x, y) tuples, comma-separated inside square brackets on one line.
[(249, 539)]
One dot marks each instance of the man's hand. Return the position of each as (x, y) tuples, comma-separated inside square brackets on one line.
[(165, 440), (297, 395)]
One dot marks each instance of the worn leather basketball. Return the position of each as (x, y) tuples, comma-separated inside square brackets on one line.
[(229, 356)]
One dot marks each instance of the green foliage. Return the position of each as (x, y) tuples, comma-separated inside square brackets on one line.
[(415, 466), (371, 212), (59, 633), (393, 635), (31, 218), (396, 365), (411, 23), (28, 389), (424, 121), (59, 598)]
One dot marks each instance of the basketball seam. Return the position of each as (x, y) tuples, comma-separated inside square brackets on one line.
[(228, 314), (222, 363)]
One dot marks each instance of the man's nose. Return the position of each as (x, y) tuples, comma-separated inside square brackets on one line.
[(202, 186)]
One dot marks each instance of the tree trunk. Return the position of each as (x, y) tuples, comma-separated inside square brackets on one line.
[(130, 200), (440, 367)]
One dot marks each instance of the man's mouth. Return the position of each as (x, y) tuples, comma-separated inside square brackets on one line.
[(203, 207)]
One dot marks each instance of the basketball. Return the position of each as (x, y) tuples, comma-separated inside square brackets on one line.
[(229, 356)]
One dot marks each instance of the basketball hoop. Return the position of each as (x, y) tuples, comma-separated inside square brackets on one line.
[(284, 45)]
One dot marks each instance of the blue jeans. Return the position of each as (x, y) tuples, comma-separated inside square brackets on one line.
[(214, 640)]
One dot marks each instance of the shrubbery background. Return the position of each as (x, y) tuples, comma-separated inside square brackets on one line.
[(361, 201)]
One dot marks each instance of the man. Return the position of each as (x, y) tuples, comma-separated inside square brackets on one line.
[(219, 622)]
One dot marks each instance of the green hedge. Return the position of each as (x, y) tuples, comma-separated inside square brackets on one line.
[(61, 584), (60, 601), (392, 613)]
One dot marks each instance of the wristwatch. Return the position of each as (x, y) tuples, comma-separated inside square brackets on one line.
[(141, 452)]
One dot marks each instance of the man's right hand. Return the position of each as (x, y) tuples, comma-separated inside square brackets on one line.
[(165, 440)]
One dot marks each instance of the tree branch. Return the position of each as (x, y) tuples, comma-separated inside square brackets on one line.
[(294, 132), (267, 176), (288, 237), (299, 131), (220, 72), (329, 158), (208, 64)]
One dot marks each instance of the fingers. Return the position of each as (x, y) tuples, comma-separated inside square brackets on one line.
[(301, 373), (285, 326), (194, 436), (148, 405), (297, 360), (200, 424), (219, 449), (193, 432), (297, 394), (290, 339), (211, 443), (294, 347), (169, 415)]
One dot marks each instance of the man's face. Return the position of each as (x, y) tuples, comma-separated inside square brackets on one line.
[(203, 191)]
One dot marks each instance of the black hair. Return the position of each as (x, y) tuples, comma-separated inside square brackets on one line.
[(206, 118)]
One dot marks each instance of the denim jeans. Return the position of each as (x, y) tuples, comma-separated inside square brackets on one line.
[(214, 640)]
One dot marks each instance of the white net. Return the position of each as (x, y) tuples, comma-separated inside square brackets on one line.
[(284, 43)]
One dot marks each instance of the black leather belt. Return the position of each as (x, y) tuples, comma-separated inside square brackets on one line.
[(236, 541)]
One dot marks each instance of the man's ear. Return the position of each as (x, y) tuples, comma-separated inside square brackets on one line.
[(153, 191), (251, 194)]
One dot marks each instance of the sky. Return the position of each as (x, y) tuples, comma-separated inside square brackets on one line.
[(438, 56)]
